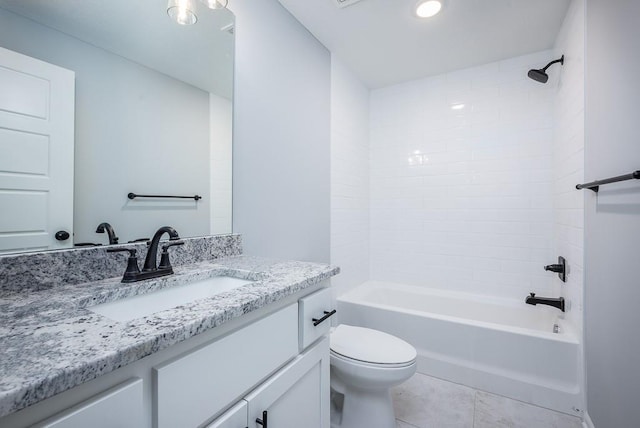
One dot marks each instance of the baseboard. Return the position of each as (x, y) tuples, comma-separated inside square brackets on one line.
[(586, 421)]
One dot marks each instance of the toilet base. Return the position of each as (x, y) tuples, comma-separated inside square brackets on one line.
[(358, 408), (365, 365)]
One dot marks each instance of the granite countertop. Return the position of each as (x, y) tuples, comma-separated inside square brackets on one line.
[(50, 342)]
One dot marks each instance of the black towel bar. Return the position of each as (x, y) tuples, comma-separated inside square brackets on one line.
[(134, 195), (595, 185)]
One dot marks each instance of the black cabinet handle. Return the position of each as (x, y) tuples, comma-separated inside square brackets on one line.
[(326, 315), (262, 421)]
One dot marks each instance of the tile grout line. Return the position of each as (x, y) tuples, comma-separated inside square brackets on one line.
[(475, 401)]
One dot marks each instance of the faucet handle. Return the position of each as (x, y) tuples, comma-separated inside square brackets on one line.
[(171, 244), (132, 270), (132, 251), (165, 263), (532, 294)]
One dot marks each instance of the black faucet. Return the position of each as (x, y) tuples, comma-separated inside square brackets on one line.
[(560, 268), (113, 239), (150, 269), (152, 252), (555, 302)]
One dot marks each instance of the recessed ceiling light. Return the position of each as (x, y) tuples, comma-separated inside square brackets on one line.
[(459, 106), (429, 8)]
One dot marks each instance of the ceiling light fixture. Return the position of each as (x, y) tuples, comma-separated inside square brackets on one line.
[(429, 8), (182, 11), (216, 4)]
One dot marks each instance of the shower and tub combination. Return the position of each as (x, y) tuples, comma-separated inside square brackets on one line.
[(522, 346), (497, 345)]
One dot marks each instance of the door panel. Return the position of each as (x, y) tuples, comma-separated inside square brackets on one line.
[(27, 153), (24, 94), (32, 215)]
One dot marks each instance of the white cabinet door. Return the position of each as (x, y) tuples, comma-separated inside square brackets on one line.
[(119, 407), (297, 396), (37, 104)]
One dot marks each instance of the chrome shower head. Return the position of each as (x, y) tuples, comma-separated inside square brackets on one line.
[(541, 74)]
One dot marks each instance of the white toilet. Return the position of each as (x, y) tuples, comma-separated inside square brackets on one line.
[(365, 364)]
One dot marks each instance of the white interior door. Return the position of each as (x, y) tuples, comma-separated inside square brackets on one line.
[(36, 153)]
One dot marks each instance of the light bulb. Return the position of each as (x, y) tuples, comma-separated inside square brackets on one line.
[(182, 11), (215, 4)]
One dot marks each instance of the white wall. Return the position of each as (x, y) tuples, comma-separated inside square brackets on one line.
[(568, 161), (221, 161), (612, 217), (349, 177), (130, 136), (462, 199), (281, 135)]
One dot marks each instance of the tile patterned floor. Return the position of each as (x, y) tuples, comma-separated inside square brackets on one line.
[(427, 402)]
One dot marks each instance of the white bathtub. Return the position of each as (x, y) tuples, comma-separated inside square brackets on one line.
[(501, 346)]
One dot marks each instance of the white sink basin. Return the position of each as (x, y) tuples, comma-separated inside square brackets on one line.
[(143, 305)]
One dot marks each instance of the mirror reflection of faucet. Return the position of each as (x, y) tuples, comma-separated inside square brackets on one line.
[(551, 301), (150, 269), (106, 227)]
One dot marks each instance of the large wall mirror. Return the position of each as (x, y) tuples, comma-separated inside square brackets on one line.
[(150, 110)]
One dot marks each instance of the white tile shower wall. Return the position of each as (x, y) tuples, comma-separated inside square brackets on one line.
[(568, 160), (461, 180), (349, 178)]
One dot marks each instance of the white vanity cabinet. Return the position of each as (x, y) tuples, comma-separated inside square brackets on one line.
[(272, 359)]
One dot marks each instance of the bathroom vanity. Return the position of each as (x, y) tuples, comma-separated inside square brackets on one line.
[(246, 357)]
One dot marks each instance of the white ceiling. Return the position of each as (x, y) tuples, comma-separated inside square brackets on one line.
[(140, 30), (383, 42)]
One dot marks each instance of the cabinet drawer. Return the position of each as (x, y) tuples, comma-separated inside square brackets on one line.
[(119, 407), (313, 307), (193, 388)]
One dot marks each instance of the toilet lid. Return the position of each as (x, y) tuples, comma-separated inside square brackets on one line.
[(371, 346)]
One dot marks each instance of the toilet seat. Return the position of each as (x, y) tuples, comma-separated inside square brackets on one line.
[(370, 348), (364, 364)]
